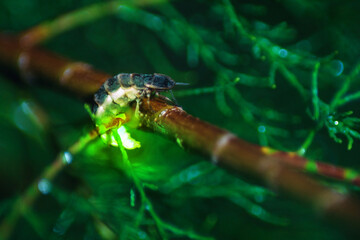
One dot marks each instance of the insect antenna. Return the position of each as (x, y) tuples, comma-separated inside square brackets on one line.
[(181, 84)]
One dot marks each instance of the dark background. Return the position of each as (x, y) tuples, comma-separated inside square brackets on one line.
[(198, 44)]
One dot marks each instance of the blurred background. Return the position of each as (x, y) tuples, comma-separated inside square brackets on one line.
[(268, 71)]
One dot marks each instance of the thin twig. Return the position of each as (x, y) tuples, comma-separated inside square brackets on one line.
[(221, 146), (24, 202), (40, 33)]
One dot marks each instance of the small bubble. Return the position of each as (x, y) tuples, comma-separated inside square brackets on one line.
[(193, 173), (262, 129), (142, 235), (283, 53), (337, 67), (147, 207), (44, 186), (256, 210), (67, 157), (25, 106), (336, 123)]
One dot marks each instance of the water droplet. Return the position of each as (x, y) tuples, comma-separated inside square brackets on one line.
[(147, 207), (44, 186), (283, 53), (67, 158), (337, 67), (301, 151), (26, 108), (261, 129), (142, 235), (193, 173), (256, 210)]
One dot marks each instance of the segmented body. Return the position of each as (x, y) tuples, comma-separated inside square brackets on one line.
[(116, 94)]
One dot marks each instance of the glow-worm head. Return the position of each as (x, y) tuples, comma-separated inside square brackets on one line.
[(159, 82)]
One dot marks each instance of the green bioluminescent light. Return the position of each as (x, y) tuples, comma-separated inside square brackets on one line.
[(127, 141)]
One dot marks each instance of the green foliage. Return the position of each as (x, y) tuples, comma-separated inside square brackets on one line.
[(275, 73)]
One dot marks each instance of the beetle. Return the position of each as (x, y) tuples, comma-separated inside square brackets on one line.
[(116, 94)]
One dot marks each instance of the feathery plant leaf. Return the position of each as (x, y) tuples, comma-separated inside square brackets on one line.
[(267, 79)]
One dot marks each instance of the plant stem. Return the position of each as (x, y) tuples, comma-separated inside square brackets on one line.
[(314, 91), (219, 145), (337, 101), (144, 199), (24, 202), (82, 16)]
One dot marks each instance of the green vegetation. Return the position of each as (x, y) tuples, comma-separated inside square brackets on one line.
[(283, 74)]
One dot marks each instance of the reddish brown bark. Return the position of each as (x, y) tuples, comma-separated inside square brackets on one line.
[(74, 76), (222, 147)]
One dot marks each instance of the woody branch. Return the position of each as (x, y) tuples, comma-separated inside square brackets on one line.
[(219, 145)]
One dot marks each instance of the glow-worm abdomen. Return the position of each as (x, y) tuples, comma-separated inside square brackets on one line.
[(116, 94)]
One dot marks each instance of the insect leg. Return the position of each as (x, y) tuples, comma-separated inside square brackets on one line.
[(137, 111), (138, 101), (173, 98)]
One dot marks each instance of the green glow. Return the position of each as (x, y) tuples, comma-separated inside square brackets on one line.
[(350, 174), (121, 115), (311, 166), (127, 141), (179, 141)]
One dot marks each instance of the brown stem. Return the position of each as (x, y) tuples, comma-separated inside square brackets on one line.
[(224, 148), (228, 151), (77, 77)]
